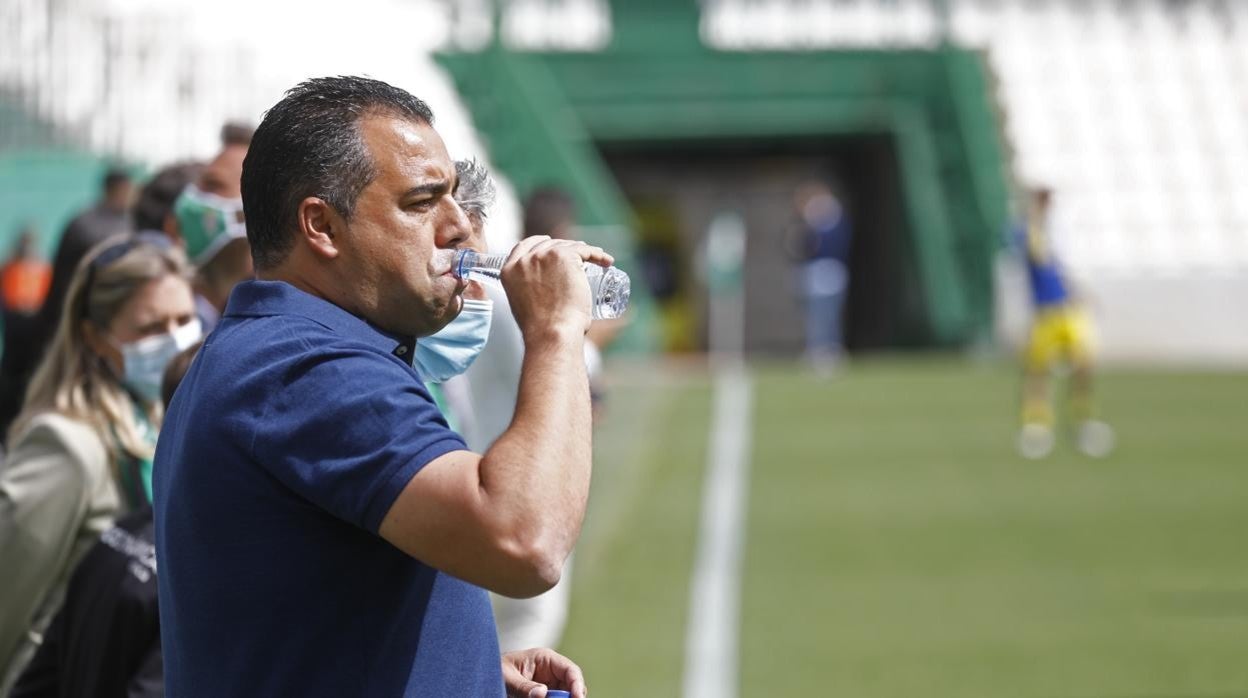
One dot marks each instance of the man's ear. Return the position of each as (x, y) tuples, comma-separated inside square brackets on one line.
[(319, 224)]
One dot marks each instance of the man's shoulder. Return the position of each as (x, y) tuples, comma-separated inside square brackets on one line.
[(242, 332), (251, 366), (289, 337)]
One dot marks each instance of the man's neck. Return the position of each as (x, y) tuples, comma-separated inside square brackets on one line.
[(310, 284)]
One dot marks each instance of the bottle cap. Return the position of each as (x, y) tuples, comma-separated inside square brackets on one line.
[(558, 694)]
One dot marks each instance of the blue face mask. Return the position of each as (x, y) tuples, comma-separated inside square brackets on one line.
[(452, 350)]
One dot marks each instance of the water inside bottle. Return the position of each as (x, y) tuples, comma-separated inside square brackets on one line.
[(609, 288), (609, 291)]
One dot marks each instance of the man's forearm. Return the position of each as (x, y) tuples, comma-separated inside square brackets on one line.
[(536, 475)]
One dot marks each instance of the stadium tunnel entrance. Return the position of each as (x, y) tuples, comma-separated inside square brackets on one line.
[(675, 189), (912, 136)]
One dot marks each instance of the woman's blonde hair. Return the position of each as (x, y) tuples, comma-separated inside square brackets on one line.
[(72, 379)]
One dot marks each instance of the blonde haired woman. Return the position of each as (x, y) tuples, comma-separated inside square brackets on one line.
[(82, 445)]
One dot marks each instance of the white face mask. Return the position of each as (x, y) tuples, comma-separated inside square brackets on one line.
[(145, 360)]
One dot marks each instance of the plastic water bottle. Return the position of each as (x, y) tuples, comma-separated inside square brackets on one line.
[(608, 288)]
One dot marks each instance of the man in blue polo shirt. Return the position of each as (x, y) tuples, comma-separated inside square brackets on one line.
[(320, 530)]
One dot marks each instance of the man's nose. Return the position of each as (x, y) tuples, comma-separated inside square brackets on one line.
[(458, 229)]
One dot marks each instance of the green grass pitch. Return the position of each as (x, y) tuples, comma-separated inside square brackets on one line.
[(896, 545)]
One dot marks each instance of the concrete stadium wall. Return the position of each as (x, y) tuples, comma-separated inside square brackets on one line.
[(1144, 319)]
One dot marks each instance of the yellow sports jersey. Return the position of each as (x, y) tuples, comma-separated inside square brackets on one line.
[(1059, 332)]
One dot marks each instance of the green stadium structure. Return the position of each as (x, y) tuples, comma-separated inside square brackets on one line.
[(43, 179), (547, 115), (1133, 113), (44, 189)]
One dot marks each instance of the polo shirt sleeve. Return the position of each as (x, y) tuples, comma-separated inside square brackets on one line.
[(347, 428)]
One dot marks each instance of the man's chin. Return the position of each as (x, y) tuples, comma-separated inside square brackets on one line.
[(453, 310), (449, 313)]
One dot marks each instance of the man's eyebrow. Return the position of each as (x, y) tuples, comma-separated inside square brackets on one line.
[(440, 186)]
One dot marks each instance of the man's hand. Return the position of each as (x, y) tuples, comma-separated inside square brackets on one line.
[(528, 673), (546, 285), (475, 291)]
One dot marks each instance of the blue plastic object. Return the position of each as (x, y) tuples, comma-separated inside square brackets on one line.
[(558, 694)]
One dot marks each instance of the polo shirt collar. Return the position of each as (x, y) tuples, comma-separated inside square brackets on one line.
[(257, 298)]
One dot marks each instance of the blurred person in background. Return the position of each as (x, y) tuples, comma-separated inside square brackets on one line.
[(494, 383), (1061, 335), (154, 216), (81, 449), (105, 640), (822, 247), (324, 464), (443, 357), (209, 221), (107, 217), (24, 281)]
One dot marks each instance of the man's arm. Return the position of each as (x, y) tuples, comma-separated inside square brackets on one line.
[(508, 519)]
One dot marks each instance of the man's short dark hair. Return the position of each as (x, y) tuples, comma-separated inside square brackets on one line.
[(114, 177), (309, 144), (155, 202)]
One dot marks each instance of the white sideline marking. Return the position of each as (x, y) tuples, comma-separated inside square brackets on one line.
[(715, 592)]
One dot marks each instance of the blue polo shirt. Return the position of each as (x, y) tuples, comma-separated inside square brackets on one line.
[(292, 434)]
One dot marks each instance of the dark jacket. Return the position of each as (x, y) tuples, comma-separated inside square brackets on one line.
[(105, 641)]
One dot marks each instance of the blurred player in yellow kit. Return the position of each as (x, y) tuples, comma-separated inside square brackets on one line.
[(1061, 336)]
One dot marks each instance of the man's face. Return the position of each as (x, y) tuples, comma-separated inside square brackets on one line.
[(120, 195), (223, 176), (210, 211), (406, 213)]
